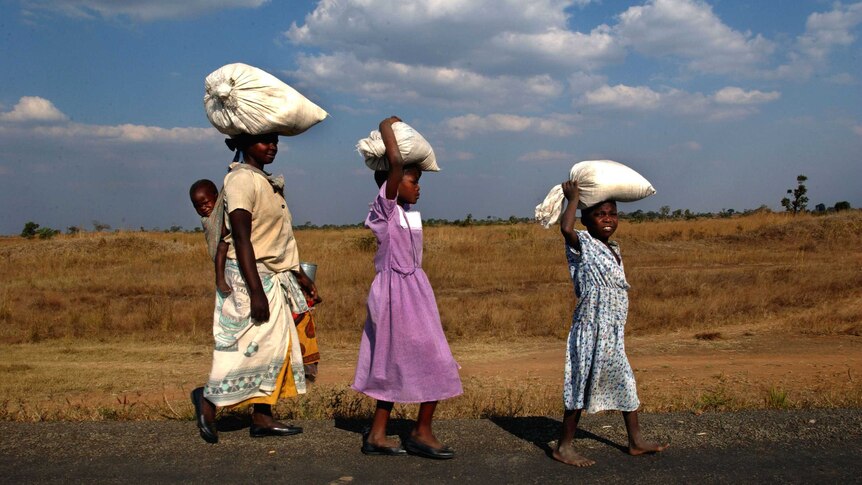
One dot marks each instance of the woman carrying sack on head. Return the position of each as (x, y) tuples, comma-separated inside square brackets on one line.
[(258, 354)]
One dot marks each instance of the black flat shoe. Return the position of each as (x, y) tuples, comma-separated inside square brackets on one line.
[(207, 430), (369, 449), (277, 429), (419, 449)]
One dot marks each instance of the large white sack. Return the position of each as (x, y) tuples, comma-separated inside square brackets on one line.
[(412, 145), (239, 98), (598, 181)]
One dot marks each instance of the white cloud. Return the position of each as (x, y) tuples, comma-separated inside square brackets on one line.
[(472, 124), (145, 10), (477, 51), (418, 83), (690, 30), (825, 31), (33, 109), (727, 103), (127, 133), (35, 115), (560, 47), (623, 97), (545, 156), (735, 95)]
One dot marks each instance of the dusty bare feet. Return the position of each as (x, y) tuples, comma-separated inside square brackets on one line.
[(568, 455), (646, 447)]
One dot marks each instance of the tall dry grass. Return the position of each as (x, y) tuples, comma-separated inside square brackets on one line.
[(797, 274)]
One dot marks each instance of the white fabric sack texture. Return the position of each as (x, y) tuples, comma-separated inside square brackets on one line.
[(598, 181), (412, 145), (239, 98)]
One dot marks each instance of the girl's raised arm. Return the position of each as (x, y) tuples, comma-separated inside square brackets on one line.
[(567, 221), (393, 156)]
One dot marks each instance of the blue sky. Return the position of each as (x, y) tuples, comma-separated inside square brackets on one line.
[(719, 104)]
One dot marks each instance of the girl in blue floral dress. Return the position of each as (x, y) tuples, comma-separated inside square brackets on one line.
[(598, 376)]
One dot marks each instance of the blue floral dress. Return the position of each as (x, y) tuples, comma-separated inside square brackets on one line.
[(598, 376)]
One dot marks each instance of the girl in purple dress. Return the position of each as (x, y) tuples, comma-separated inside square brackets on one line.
[(403, 355)]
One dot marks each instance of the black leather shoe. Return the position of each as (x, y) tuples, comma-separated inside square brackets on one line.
[(276, 429), (369, 449), (419, 449), (207, 430)]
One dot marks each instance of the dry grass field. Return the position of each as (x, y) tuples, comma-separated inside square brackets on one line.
[(763, 310)]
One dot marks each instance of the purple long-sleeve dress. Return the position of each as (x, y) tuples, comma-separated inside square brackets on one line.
[(403, 355)]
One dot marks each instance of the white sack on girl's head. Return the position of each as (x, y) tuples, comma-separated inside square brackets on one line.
[(412, 145), (239, 98), (598, 181)]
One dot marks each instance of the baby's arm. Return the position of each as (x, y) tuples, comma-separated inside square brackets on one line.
[(220, 259), (567, 221), (393, 156)]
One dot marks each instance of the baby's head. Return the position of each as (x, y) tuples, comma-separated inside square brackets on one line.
[(408, 189), (203, 194)]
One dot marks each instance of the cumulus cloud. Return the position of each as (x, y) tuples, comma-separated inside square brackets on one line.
[(690, 31), (734, 95), (623, 97), (144, 10), (419, 83), (35, 115), (478, 51), (824, 32), (472, 124), (33, 109), (727, 103)]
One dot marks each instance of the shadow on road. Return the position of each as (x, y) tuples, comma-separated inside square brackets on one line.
[(542, 431)]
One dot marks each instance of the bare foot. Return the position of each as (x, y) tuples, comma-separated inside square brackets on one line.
[(646, 447), (567, 455)]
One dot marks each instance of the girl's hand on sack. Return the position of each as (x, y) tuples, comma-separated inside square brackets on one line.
[(570, 190), (388, 121), (259, 306)]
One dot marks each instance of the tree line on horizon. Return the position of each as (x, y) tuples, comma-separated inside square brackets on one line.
[(795, 202)]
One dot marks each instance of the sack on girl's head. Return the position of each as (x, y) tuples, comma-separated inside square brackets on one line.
[(412, 145), (598, 181), (601, 180), (239, 98)]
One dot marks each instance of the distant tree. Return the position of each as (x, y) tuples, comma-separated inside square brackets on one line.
[(47, 232), (664, 211), (820, 208), (176, 228), (72, 230), (842, 206), (29, 230), (799, 201), (99, 226)]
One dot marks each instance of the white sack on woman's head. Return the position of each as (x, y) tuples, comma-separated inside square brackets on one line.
[(239, 98), (598, 181), (412, 145)]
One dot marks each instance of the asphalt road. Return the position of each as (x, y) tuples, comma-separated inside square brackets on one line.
[(807, 446)]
